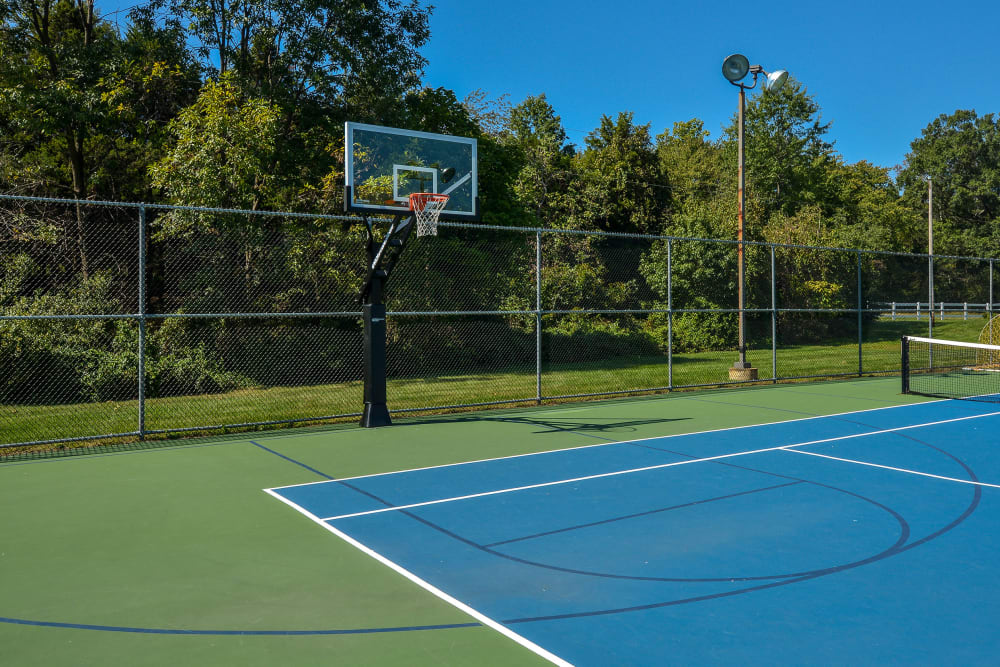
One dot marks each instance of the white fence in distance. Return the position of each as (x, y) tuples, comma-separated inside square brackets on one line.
[(941, 309)]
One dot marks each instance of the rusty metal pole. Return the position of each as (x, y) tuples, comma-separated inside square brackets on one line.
[(741, 177)]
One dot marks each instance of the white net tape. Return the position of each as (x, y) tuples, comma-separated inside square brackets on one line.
[(427, 209)]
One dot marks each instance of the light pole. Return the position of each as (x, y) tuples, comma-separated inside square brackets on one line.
[(930, 258), (735, 68)]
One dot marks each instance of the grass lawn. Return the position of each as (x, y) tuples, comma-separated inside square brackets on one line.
[(880, 354)]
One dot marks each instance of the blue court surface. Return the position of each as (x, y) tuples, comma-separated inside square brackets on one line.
[(867, 537)]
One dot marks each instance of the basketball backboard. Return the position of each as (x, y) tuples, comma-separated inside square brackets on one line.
[(385, 165)]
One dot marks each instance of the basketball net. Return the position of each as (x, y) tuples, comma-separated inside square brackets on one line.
[(427, 207)]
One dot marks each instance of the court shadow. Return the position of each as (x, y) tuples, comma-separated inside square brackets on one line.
[(555, 425)]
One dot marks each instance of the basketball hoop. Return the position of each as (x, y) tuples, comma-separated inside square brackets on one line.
[(427, 207)]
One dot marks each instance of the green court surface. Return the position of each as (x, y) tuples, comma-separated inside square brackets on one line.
[(176, 555)]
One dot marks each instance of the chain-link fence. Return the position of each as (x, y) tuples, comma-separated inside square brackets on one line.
[(130, 320)]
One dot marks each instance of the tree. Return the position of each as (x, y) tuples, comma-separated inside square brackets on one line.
[(151, 79), (320, 62), (870, 213), (223, 146), (546, 167), (53, 55), (620, 185), (786, 153), (960, 153), (695, 167)]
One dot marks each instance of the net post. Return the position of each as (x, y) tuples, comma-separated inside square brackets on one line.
[(905, 364), (142, 323)]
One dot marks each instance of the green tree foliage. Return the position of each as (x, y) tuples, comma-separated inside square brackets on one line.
[(702, 185), (85, 105), (787, 154), (620, 185), (320, 62), (153, 78), (222, 149), (959, 153), (53, 56), (697, 169), (868, 210), (546, 160)]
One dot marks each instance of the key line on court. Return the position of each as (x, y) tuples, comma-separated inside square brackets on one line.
[(659, 466), (906, 470), (835, 415)]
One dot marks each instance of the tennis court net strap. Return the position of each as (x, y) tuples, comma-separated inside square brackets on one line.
[(951, 369)]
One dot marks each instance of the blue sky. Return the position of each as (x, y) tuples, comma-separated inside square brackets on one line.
[(880, 70)]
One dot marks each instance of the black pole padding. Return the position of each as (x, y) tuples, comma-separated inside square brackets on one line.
[(382, 259), (905, 364), (376, 412)]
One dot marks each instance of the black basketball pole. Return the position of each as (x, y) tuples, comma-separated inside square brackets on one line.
[(376, 411), (381, 260)]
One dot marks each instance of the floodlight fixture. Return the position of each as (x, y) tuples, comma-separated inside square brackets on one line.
[(735, 67), (775, 80)]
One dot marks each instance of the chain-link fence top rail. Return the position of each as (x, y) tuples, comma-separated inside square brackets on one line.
[(233, 318)]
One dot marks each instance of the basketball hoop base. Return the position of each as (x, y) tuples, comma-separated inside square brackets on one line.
[(375, 414)]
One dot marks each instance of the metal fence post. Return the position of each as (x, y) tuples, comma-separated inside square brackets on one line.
[(991, 288), (860, 332), (538, 317), (142, 323), (989, 312), (774, 321), (670, 318), (930, 294)]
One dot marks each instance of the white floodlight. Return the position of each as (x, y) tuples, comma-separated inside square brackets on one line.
[(735, 67), (775, 80)]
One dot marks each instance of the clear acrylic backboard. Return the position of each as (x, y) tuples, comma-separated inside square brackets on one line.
[(385, 165)]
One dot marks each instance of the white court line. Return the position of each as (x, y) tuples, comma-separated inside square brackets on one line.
[(609, 444), (674, 464), (482, 618), (912, 472)]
